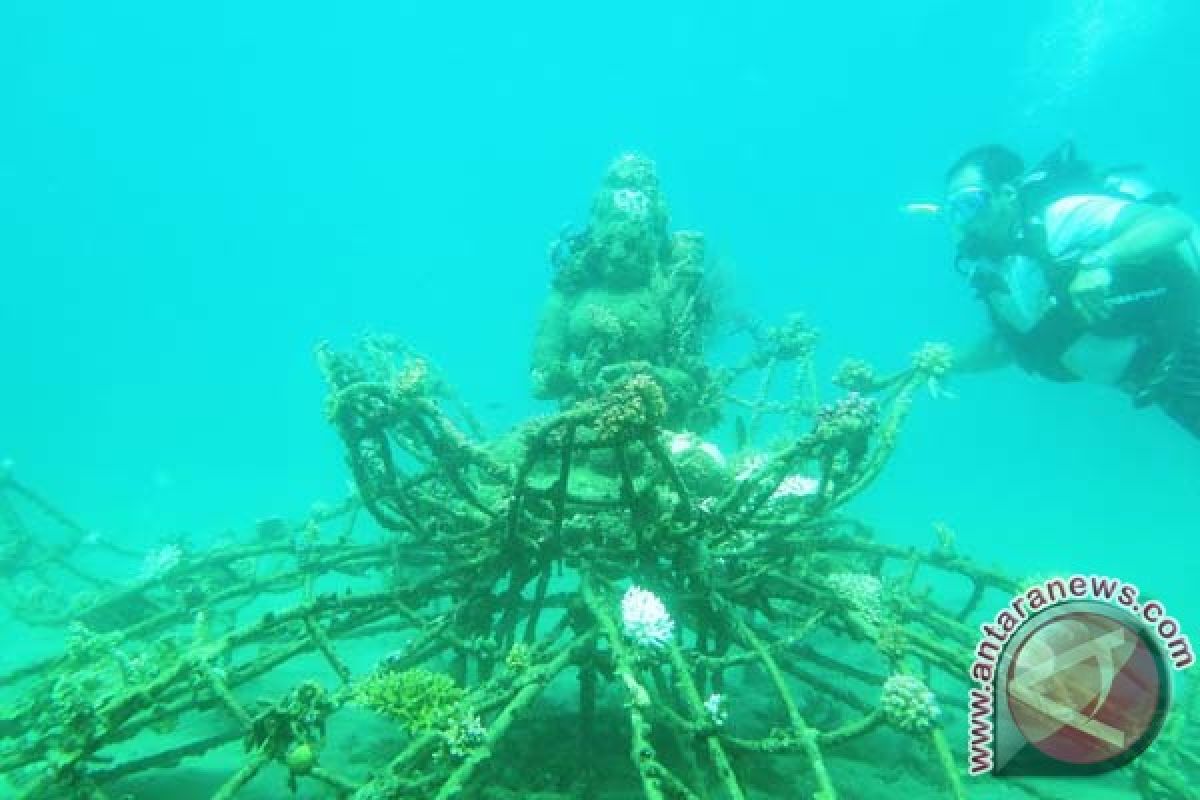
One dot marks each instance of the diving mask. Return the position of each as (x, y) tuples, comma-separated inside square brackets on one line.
[(965, 205)]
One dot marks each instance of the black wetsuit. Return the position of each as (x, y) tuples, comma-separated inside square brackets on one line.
[(1158, 304), (1176, 386)]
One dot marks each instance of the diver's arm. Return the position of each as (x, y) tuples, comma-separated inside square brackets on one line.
[(1141, 232), (988, 353)]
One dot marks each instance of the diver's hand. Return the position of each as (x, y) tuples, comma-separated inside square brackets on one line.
[(1089, 290)]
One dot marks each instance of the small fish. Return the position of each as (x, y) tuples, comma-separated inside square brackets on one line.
[(930, 209)]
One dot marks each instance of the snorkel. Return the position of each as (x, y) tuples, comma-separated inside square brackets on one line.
[(939, 212), (960, 209), (980, 227)]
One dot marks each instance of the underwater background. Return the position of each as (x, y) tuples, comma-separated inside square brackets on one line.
[(193, 196)]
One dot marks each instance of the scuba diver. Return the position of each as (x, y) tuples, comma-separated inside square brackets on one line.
[(1086, 275)]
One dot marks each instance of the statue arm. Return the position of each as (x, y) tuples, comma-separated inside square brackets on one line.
[(550, 349)]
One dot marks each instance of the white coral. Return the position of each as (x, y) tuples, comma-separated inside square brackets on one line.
[(465, 733), (685, 442), (795, 486), (715, 706), (645, 619), (750, 467), (160, 561), (632, 202), (862, 592), (909, 705)]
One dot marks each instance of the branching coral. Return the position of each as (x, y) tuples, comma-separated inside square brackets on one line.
[(419, 699)]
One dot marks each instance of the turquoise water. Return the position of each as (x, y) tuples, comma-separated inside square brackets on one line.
[(191, 198)]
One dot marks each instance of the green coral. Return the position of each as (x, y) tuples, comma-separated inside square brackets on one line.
[(419, 699), (794, 340), (933, 359), (633, 408), (519, 658), (856, 375)]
